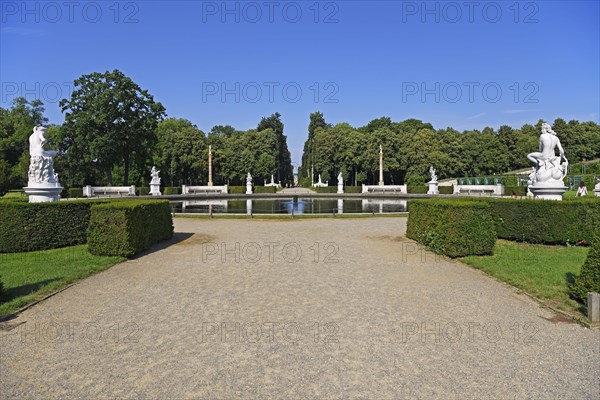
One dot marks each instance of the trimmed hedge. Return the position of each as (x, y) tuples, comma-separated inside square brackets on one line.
[(75, 193), (1, 289), (325, 189), (352, 189), (550, 222), (236, 189), (41, 226), (126, 228), (142, 191), (417, 189), (171, 190), (265, 189), (589, 277), (446, 189), (452, 227), (515, 190)]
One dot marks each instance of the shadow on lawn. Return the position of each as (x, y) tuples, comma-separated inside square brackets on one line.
[(19, 291)]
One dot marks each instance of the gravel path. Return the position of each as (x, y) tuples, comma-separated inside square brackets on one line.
[(323, 308)]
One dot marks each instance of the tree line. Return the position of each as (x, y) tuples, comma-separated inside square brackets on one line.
[(410, 147), (114, 132)]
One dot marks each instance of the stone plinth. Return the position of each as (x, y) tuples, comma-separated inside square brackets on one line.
[(248, 188), (433, 188), (340, 188), (548, 191), (594, 306), (43, 194), (155, 189)]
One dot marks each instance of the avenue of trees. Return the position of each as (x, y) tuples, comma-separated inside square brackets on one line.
[(411, 146), (114, 132)]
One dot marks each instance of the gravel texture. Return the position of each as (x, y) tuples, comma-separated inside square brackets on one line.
[(295, 309)]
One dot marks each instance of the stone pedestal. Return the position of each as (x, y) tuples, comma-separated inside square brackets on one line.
[(43, 194), (594, 306), (597, 192), (155, 189), (340, 188), (548, 191), (433, 188), (248, 188)]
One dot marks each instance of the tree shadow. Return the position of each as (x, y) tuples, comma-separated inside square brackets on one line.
[(570, 277), (177, 237), (19, 291)]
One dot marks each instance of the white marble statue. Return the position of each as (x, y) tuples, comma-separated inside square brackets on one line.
[(41, 166), (548, 167), (433, 174), (154, 175), (340, 179), (248, 179)]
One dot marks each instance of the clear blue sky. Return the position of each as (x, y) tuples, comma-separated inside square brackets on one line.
[(368, 59)]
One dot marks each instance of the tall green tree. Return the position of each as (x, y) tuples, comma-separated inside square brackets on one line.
[(109, 121), (285, 172)]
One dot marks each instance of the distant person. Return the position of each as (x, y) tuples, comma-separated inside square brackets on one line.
[(582, 190)]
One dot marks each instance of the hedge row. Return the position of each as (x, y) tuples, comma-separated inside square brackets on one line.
[(40, 226), (589, 277), (549, 222), (265, 189), (515, 190), (125, 228), (167, 191), (452, 227)]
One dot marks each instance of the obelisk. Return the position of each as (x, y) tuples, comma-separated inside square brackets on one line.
[(381, 166), (210, 183)]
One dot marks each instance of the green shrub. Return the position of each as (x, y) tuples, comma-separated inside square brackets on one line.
[(326, 189), (446, 189), (414, 180), (75, 193), (126, 228), (352, 189), (589, 277), (142, 191), (40, 226), (549, 222), (1, 289), (452, 227), (171, 190), (417, 189), (515, 190), (265, 189), (17, 193), (236, 189)]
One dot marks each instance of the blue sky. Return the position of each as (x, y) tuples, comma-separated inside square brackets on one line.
[(216, 62)]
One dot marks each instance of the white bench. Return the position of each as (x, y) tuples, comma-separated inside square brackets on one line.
[(203, 189), (91, 191), (384, 188), (479, 189)]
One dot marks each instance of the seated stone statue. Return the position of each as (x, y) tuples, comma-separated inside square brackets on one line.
[(548, 167), (41, 166)]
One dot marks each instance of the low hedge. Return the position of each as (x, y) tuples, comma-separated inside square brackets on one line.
[(142, 191), (236, 189), (352, 189), (75, 193), (265, 189), (126, 228), (1, 289), (41, 226), (171, 190), (417, 189), (446, 189), (550, 222), (589, 277), (326, 189), (452, 227), (515, 190)]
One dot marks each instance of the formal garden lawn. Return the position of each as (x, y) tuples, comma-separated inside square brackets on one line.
[(30, 276), (540, 270)]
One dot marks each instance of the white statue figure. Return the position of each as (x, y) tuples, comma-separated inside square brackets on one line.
[(549, 168), (433, 175), (248, 179), (154, 175), (340, 179), (41, 167), (320, 182)]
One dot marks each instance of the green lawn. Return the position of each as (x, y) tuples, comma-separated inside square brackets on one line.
[(30, 276), (542, 271)]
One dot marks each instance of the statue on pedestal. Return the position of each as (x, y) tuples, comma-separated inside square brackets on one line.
[(248, 183), (155, 182), (549, 170), (43, 185), (340, 179), (433, 175)]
